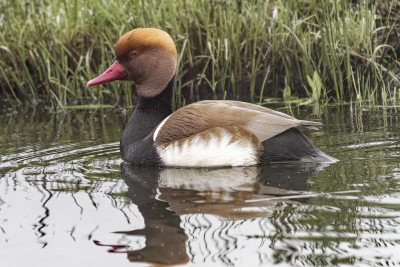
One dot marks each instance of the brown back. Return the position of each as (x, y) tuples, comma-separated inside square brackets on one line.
[(201, 116)]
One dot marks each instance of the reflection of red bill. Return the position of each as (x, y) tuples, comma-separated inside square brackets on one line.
[(113, 248)]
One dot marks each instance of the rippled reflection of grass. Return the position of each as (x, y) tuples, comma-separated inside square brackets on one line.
[(307, 51)]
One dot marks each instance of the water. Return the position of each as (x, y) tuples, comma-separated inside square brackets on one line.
[(67, 199)]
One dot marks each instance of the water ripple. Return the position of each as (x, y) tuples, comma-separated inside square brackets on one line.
[(63, 187)]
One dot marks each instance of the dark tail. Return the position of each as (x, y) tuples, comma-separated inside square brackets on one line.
[(292, 145)]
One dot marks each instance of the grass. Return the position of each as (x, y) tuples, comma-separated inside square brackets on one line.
[(315, 51)]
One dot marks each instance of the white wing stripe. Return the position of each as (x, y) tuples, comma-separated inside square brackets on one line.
[(159, 128)]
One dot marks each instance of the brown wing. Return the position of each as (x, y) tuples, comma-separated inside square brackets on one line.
[(198, 117)]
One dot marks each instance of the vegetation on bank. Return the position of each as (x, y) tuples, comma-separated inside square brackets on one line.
[(328, 50)]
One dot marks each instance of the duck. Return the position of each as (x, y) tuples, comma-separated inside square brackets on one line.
[(208, 133)]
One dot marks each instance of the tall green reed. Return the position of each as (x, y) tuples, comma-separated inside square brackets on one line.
[(328, 50)]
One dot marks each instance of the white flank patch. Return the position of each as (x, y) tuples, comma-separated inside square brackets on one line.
[(159, 128), (209, 153)]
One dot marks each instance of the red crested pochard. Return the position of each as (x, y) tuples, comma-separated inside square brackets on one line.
[(206, 133)]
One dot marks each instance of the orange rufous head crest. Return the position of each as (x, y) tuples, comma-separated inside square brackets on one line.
[(145, 37)]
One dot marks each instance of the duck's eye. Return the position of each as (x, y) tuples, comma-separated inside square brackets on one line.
[(134, 53)]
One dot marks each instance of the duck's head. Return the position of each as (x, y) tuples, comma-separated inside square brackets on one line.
[(145, 56)]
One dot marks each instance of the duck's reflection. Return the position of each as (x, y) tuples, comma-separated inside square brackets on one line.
[(162, 195)]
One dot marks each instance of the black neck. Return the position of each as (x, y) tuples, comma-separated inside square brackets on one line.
[(149, 112), (159, 103)]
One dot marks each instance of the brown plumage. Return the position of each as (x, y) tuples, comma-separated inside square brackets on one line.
[(154, 63), (262, 122)]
